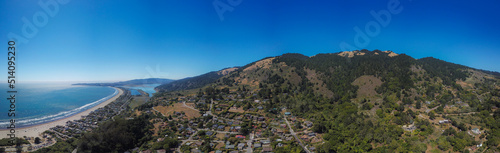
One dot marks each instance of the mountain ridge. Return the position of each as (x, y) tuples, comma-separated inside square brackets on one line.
[(131, 82)]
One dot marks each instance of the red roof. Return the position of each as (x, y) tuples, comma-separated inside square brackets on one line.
[(240, 136)]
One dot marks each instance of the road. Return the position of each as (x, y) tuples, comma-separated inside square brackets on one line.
[(295, 135), (249, 143), (429, 110), (184, 102)]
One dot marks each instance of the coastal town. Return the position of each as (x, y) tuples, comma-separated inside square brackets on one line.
[(223, 122), (74, 128), (230, 123)]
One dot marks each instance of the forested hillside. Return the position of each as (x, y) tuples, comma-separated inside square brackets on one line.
[(353, 101), (321, 88)]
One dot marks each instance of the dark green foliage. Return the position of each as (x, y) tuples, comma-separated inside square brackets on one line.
[(116, 136), (448, 72), (418, 105), (493, 122), (339, 72), (60, 147), (432, 116), (165, 144), (6, 141), (37, 140)]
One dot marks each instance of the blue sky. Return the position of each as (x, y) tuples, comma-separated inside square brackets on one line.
[(121, 40)]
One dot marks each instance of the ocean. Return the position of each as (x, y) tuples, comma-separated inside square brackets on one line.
[(38, 103)]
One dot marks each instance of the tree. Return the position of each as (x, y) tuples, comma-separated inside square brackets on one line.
[(37, 140), (418, 105), (432, 116)]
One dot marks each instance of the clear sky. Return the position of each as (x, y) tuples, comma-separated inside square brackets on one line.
[(98, 40)]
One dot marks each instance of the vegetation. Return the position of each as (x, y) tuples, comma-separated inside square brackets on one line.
[(116, 136), (416, 93), (191, 83)]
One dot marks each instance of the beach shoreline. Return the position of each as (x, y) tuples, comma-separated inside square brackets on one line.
[(36, 130)]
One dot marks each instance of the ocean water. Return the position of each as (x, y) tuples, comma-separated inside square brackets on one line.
[(149, 88), (38, 103)]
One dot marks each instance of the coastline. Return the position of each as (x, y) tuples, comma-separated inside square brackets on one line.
[(36, 130)]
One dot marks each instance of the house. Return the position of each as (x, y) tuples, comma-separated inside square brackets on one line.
[(240, 136), (409, 127), (240, 146), (267, 149), (312, 134), (304, 137), (476, 131), (209, 133), (234, 151), (288, 113), (312, 148), (279, 145), (218, 151), (283, 125), (444, 121), (229, 147), (265, 142), (260, 107), (309, 123), (257, 145), (161, 151), (279, 131), (261, 118)]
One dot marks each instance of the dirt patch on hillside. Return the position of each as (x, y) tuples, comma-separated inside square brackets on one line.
[(464, 84), (367, 85), (351, 54), (391, 54), (177, 107), (227, 71), (266, 63)]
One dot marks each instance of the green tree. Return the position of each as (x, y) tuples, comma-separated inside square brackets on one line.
[(432, 116), (37, 140), (418, 105)]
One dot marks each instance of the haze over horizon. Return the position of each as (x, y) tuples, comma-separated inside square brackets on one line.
[(108, 41)]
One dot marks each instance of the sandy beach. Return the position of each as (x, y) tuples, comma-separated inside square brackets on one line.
[(35, 131)]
